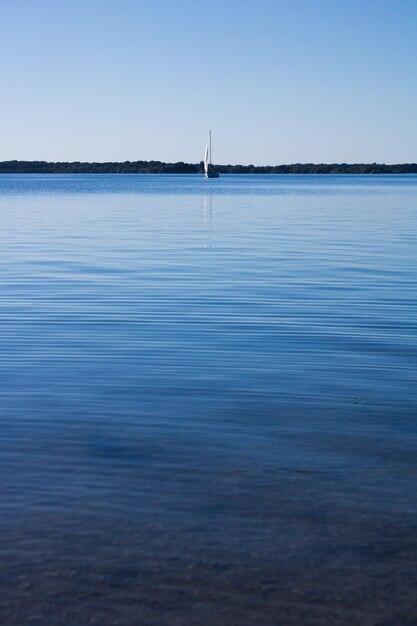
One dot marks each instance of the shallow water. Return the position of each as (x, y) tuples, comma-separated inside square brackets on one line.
[(208, 400)]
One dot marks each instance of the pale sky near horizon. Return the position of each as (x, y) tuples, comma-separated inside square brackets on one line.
[(276, 81)]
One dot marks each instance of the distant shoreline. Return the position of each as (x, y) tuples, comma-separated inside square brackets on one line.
[(160, 167)]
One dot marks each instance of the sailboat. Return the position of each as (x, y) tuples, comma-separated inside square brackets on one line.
[(209, 172)]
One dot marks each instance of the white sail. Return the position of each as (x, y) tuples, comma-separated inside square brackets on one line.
[(206, 159), (208, 168)]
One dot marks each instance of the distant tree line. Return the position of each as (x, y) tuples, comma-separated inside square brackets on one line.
[(159, 167)]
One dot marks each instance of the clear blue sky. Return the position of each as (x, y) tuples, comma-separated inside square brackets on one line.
[(277, 81)]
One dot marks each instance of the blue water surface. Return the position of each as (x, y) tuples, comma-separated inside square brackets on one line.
[(208, 399)]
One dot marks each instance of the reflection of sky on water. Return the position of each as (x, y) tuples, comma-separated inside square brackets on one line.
[(186, 432)]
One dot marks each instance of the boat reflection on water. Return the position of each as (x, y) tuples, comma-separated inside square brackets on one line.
[(208, 220)]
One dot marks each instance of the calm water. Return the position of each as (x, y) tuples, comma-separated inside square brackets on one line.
[(208, 400)]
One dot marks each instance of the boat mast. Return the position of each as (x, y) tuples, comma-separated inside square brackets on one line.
[(210, 144)]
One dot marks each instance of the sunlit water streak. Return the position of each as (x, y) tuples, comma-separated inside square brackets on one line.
[(208, 399)]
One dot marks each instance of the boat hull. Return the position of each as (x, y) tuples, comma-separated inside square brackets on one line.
[(212, 175)]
